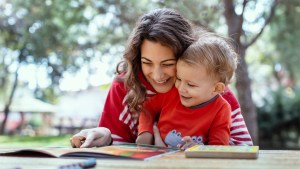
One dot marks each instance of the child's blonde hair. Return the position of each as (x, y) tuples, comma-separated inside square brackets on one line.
[(215, 53)]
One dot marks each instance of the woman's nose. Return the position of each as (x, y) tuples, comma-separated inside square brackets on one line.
[(158, 74)]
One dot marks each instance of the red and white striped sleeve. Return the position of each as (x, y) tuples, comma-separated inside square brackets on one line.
[(239, 134), (116, 116)]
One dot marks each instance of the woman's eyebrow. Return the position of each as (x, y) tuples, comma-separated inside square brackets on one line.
[(146, 59), (169, 60), (161, 61)]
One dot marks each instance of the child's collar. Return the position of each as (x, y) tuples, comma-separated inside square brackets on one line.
[(205, 103)]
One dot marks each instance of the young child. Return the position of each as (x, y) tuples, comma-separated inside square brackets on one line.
[(194, 113)]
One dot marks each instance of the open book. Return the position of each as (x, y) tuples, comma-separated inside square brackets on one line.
[(122, 151), (211, 151)]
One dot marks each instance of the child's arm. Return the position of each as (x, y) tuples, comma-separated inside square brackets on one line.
[(145, 138), (219, 132), (148, 138), (145, 129), (157, 138), (147, 120)]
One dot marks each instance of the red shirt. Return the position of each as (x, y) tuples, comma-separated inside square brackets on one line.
[(207, 123), (117, 118)]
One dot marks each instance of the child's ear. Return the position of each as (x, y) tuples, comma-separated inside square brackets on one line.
[(219, 87)]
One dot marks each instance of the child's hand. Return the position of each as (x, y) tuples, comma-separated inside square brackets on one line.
[(188, 142), (145, 138), (157, 138)]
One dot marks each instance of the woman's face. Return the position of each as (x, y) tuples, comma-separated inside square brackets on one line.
[(158, 65)]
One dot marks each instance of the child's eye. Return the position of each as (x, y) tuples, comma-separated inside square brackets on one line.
[(191, 85)]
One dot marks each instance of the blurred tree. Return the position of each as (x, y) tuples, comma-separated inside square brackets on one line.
[(38, 32), (279, 118), (62, 36), (244, 38), (286, 37)]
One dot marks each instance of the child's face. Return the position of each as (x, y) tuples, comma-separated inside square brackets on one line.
[(158, 65), (193, 84)]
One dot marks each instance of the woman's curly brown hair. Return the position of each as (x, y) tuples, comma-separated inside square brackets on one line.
[(165, 26)]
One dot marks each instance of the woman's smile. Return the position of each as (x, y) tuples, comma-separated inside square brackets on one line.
[(158, 65)]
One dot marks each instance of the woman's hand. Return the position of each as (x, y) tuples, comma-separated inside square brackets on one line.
[(157, 138), (188, 142), (94, 137)]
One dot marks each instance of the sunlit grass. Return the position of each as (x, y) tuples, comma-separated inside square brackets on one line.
[(36, 141)]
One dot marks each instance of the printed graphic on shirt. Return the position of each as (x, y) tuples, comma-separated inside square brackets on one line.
[(197, 139), (173, 138)]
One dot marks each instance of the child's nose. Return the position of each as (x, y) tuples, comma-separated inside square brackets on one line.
[(181, 87)]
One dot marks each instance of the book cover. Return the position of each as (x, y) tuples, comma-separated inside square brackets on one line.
[(217, 151), (122, 151)]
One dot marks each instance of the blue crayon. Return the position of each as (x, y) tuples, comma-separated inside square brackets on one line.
[(89, 163)]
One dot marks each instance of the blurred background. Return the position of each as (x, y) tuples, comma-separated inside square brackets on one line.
[(58, 58)]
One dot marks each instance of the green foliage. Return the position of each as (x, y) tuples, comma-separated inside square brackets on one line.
[(206, 13), (65, 35), (278, 119), (286, 35), (34, 141), (39, 33), (105, 86)]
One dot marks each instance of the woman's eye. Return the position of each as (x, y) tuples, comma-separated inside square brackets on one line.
[(168, 65), (146, 63)]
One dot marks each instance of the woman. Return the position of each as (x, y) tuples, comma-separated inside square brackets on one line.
[(161, 32)]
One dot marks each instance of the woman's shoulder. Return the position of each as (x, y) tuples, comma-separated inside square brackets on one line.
[(118, 83), (230, 98)]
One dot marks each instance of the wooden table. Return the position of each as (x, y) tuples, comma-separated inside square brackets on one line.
[(273, 159)]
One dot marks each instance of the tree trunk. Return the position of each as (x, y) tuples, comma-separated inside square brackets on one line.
[(243, 83), (7, 105), (243, 86)]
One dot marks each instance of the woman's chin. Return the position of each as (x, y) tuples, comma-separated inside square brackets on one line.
[(164, 88)]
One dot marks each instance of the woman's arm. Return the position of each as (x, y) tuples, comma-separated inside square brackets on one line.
[(116, 123), (116, 116), (239, 134)]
